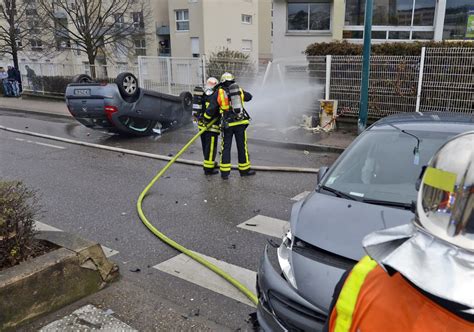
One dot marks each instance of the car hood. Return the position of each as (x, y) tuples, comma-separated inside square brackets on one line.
[(338, 225)]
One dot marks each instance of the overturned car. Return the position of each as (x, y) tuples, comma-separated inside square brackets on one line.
[(123, 107)]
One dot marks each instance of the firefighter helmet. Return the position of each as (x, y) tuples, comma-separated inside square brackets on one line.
[(227, 77), (445, 206)]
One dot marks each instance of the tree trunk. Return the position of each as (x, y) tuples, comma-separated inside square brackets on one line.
[(91, 58), (15, 57)]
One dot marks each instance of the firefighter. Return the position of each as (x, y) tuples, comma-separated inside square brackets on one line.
[(235, 119), (210, 137), (420, 276)]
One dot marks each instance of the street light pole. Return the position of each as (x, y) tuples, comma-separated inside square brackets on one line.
[(364, 87)]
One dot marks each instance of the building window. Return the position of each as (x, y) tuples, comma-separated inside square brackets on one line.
[(309, 16), (459, 20), (119, 21), (31, 12), (36, 44), (396, 19), (63, 43), (182, 20), (246, 45), (140, 47), (246, 19), (138, 20)]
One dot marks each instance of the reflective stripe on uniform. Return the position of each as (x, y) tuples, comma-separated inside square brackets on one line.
[(225, 167), (223, 100), (241, 122), (211, 152), (347, 300)]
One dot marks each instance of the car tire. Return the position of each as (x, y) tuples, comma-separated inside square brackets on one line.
[(187, 99), (127, 84), (82, 78), (138, 126)]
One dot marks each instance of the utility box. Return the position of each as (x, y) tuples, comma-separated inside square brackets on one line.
[(327, 114)]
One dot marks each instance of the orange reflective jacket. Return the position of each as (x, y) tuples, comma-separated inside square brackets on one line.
[(371, 300)]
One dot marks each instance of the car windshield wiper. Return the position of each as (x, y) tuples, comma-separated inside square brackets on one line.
[(406, 206), (338, 193)]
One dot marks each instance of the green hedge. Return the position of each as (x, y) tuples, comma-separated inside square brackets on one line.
[(345, 48)]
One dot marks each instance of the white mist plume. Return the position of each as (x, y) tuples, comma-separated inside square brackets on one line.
[(284, 97)]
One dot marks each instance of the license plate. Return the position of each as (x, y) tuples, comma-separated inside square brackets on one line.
[(82, 92)]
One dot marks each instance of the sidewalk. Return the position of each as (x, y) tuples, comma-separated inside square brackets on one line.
[(259, 133)]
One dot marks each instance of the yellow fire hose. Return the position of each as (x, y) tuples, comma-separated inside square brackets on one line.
[(143, 194), (176, 245)]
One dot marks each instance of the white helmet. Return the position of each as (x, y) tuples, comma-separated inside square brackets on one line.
[(211, 82), (227, 77), (210, 85), (445, 206)]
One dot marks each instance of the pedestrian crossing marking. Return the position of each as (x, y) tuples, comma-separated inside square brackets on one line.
[(39, 226), (188, 269), (266, 225), (301, 196)]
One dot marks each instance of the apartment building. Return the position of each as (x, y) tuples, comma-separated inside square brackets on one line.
[(149, 30), (199, 27), (298, 23)]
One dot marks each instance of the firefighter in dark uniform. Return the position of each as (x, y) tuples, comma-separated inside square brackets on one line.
[(235, 120), (210, 137)]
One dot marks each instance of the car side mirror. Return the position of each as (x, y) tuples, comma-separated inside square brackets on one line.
[(322, 171), (418, 181)]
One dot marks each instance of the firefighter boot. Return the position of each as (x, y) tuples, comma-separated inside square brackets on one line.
[(248, 172)]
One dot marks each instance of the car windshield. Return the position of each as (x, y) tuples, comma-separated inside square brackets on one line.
[(382, 165)]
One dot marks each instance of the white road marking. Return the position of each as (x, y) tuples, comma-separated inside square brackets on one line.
[(39, 143), (88, 318), (301, 196), (266, 225), (186, 268), (45, 227)]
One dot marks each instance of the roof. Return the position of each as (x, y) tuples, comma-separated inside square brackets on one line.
[(430, 118)]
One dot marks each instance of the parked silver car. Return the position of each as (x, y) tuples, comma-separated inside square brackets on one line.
[(124, 107), (371, 186)]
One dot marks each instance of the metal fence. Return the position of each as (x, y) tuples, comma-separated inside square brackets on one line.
[(52, 78), (174, 75), (436, 80)]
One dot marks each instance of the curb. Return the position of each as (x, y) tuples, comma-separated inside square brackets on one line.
[(297, 146), (264, 142), (48, 282), (14, 109)]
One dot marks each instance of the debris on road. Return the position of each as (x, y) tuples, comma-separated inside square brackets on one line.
[(136, 269)]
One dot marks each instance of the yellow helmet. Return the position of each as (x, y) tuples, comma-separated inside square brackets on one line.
[(445, 206), (227, 77)]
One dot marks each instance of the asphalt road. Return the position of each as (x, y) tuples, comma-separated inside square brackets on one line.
[(92, 193)]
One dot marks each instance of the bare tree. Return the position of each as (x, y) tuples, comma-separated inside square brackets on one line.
[(92, 26), (16, 29)]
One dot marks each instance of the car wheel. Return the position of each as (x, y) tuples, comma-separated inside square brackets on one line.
[(128, 85), (82, 78), (187, 99), (138, 126)]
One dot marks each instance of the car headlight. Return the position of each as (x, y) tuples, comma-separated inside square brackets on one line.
[(284, 252)]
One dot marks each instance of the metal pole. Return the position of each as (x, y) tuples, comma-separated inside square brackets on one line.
[(364, 87), (328, 76), (204, 74), (168, 70), (420, 79), (140, 73)]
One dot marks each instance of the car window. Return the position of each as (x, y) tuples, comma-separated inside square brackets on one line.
[(382, 165)]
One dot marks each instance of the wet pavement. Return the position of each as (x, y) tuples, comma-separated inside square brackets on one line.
[(271, 130), (92, 193)]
